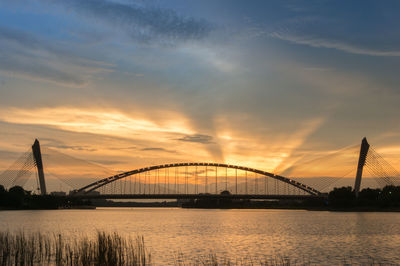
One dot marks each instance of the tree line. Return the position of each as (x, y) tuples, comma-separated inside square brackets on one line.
[(18, 198), (386, 197), (344, 197)]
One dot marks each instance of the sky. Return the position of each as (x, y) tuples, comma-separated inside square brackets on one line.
[(264, 84)]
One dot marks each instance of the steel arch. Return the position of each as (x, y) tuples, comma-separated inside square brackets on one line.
[(105, 181)]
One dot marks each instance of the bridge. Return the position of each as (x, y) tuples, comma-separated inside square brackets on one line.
[(195, 180)]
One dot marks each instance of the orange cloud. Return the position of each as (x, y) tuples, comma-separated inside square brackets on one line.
[(95, 121)]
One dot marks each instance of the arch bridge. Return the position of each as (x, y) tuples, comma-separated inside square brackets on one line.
[(195, 180), (208, 180)]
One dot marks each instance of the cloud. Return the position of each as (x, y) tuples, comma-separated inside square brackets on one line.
[(131, 148), (311, 31), (140, 22), (221, 60), (53, 143), (6, 155), (198, 138), (333, 44), (73, 147), (109, 162), (106, 122), (156, 149), (23, 55), (297, 139)]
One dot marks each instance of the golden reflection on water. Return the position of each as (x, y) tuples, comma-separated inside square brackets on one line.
[(317, 237)]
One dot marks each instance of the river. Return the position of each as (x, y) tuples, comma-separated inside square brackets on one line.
[(316, 237)]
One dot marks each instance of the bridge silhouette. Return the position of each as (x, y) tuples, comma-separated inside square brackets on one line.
[(195, 180)]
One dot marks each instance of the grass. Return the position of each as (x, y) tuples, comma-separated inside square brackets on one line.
[(39, 249), (110, 249)]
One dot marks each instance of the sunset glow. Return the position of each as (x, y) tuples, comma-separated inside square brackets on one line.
[(200, 132), (270, 92)]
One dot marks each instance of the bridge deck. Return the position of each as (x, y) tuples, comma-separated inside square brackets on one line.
[(195, 196)]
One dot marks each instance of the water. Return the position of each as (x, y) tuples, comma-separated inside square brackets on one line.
[(326, 238)]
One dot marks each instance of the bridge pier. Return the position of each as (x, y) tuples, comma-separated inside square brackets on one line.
[(361, 162), (37, 155)]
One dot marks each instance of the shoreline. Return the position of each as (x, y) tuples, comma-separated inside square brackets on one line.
[(350, 209)]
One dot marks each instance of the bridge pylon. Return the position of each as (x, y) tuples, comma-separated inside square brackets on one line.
[(361, 162), (37, 155)]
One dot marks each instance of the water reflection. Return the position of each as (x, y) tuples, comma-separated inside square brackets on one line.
[(315, 237)]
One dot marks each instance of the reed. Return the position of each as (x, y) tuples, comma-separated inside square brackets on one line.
[(112, 249), (39, 249)]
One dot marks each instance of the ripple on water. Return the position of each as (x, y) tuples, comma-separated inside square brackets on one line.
[(173, 234)]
